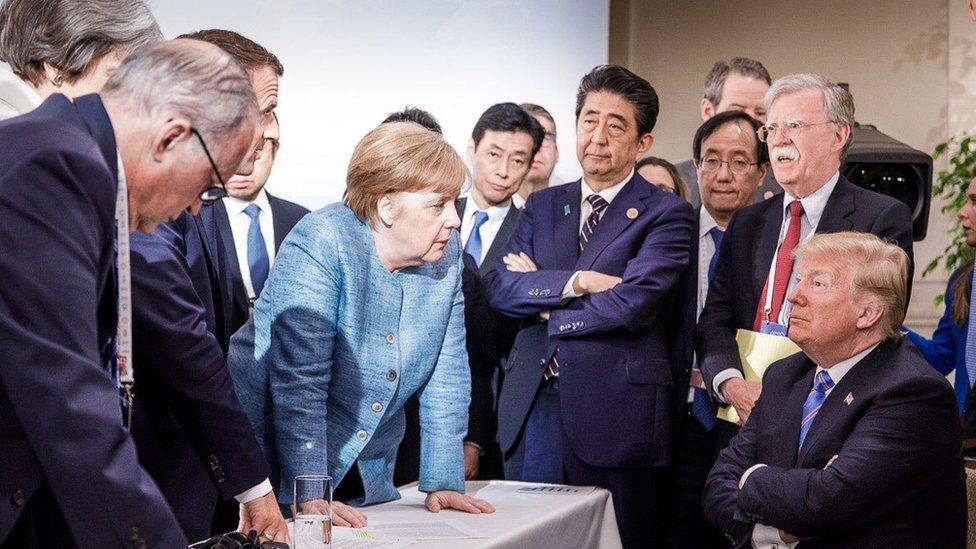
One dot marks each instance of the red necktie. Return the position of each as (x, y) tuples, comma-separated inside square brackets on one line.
[(784, 268)]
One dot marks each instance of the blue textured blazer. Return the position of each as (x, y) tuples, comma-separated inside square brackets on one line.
[(946, 351), (335, 347)]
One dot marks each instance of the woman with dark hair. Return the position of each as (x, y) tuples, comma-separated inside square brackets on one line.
[(947, 350), (663, 175), (65, 46)]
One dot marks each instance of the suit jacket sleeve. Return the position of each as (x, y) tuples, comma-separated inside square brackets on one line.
[(646, 284), (52, 373), (181, 359), (715, 332), (444, 404), (524, 294), (909, 438), (721, 495), (304, 295)]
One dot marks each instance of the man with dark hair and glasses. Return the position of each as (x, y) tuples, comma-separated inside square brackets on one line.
[(807, 133), (731, 163)]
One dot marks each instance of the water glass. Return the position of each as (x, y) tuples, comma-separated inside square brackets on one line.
[(313, 512)]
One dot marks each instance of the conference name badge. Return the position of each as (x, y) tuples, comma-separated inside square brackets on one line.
[(772, 328)]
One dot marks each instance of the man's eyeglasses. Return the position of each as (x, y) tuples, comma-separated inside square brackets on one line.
[(214, 193), (737, 166), (790, 129)]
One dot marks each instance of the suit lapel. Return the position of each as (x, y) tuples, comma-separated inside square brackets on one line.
[(766, 245), (501, 239), (840, 204), (222, 222), (93, 113), (566, 221), (792, 409), (834, 407), (615, 219)]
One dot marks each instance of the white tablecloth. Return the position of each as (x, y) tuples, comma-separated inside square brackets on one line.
[(527, 515)]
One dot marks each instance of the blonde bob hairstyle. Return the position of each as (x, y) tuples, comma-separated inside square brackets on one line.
[(879, 272), (401, 157)]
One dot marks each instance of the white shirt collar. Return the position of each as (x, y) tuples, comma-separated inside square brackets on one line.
[(705, 223), (495, 213), (814, 204), (236, 206), (610, 192), (839, 370), (16, 96)]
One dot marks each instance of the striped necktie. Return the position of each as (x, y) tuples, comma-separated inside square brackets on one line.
[(821, 384), (599, 204)]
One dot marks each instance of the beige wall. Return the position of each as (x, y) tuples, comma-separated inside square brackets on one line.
[(911, 66)]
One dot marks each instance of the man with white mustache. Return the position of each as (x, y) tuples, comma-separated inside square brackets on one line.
[(807, 133)]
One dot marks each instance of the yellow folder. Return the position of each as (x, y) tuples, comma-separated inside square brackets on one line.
[(757, 351)]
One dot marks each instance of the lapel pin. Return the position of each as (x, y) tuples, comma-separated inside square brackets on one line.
[(849, 398), (632, 213), (566, 209)]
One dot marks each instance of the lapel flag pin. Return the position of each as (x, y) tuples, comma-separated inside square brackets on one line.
[(849, 398), (566, 209), (632, 213)]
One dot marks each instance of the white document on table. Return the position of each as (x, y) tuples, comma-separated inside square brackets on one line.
[(423, 530)]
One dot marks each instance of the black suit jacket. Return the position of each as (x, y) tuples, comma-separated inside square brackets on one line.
[(681, 330), (191, 433), (216, 225), (60, 420), (898, 480), (747, 252)]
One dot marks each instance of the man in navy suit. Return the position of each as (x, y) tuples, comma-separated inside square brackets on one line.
[(590, 269), (855, 442), (188, 425), (731, 165), (70, 471), (809, 129)]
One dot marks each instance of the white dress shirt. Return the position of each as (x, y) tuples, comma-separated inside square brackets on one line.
[(706, 250), (489, 229), (767, 537), (813, 208), (586, 209), (240, 222)]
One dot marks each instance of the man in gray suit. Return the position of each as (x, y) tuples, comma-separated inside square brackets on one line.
[(735, 85)]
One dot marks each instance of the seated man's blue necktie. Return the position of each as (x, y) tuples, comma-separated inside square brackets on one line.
[(473, 246), (971, 335), (257, 252), (702, 406), (821, 384)]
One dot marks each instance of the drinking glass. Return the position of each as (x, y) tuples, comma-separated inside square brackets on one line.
[(313, 512)]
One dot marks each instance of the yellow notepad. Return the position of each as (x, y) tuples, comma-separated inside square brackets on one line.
[(757, 351)]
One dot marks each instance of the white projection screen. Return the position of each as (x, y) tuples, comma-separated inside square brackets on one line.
[(349, 63)]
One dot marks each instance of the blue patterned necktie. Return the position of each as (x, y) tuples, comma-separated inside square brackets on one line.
[(702, 406), (257, 253), (598, 203), (971, 334), (821, 384), (473, 246)]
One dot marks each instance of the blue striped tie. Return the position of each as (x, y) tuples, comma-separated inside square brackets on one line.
[(971, 334), (821, 384)]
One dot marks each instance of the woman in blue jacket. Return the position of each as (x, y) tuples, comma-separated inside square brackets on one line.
[(362, 309)]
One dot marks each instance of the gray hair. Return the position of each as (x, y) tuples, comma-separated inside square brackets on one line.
[(70, 34), (879, 272), (187, 78), (838, 103), (715, 81)]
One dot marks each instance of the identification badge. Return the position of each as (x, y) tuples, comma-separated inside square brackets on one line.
[(772, 328)]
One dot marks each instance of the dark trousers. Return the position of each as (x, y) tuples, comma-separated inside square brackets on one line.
[(537, 455), (695, 452)]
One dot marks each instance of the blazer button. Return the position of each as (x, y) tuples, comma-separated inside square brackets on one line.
[(390, 338), (377, 407), (19, 499), (361, 435), (391, 375)]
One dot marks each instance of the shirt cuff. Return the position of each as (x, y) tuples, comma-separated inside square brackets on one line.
[(768, 536), (745, 476), (254, 493), (568, 292), (721, 378)]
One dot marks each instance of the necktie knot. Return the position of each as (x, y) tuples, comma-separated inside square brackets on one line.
[(823, 382), (597, 202), (796, 208), (479, 219), (252, 210)]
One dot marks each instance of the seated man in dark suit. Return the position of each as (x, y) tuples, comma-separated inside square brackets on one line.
[(76, 178), (855, 442)]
